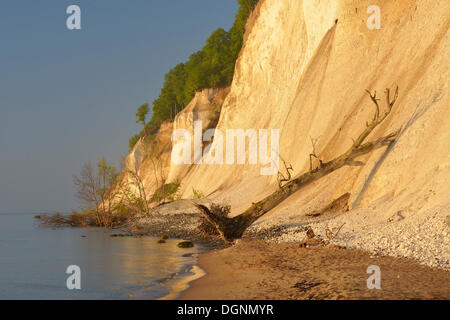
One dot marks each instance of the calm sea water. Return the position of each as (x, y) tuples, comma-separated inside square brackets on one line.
[(34, 260)]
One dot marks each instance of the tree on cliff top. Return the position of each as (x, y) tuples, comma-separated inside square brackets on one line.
[(141, 113), (213, 66)]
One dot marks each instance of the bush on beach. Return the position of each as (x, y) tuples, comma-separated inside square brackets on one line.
[(83, 219)]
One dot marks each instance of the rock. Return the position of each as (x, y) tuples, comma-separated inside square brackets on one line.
[(121, 235), (185, 244), (313, 214), (310, 233)]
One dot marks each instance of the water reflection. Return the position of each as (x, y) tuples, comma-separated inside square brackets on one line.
[(33, 263)]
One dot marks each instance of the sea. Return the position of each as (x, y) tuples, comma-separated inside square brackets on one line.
[(38, 263)]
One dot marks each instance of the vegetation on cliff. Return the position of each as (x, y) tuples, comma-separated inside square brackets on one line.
[(212, 66)]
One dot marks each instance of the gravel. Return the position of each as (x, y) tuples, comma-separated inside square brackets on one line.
[(178, 226), (423, 237)]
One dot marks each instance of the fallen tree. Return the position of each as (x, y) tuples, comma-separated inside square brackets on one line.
[(233, 228)]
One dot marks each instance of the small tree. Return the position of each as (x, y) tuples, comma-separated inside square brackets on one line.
[(95, 190), (107, 199), (140, 200), (88, 185), (107, 175), (141, 114)]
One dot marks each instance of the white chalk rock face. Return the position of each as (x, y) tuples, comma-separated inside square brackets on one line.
[(201, 110), (304, 69)]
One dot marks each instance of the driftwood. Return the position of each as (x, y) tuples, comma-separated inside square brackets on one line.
[(233, 228)]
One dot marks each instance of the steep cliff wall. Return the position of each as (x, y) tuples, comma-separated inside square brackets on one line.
[(306, 75), (205, 107)]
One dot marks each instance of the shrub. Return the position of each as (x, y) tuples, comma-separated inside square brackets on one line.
[(169, 192), (197, 194), (85, 219)]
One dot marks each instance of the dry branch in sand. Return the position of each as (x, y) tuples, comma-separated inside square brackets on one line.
[(233, 228)]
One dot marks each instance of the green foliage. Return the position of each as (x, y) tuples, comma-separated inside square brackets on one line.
[(169, 192), (107, 174), (172, 191), (133, 203), (197, 194), (141, 113), (237, 30), (213, 66), (133, 140)]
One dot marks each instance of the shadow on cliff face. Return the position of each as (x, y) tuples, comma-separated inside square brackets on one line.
[(418, 113)]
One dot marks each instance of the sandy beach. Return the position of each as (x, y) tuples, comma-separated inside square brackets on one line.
[(254, 269)]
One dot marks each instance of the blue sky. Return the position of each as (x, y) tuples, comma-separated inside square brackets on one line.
[(68, 97)]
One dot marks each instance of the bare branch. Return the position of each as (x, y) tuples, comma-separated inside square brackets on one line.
[(375, 101), (314, 154), (377, 118), (330, 234), (281, 177)]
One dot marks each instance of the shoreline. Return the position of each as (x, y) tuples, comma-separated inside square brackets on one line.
[(268, 263), (176, 226), (181, 281), (179, 286), (258, 270)]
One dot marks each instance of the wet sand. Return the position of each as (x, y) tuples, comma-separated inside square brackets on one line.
[(254, 269), (181, 285)]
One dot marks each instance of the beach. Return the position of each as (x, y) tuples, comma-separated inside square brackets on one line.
[(255, 269)]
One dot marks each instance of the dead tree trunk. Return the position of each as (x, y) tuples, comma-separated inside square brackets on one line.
[(233, 228)]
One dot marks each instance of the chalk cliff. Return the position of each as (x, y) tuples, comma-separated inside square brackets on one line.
[(304, 69)]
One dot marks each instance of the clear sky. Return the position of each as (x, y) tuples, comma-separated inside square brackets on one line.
[(68, 97)]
